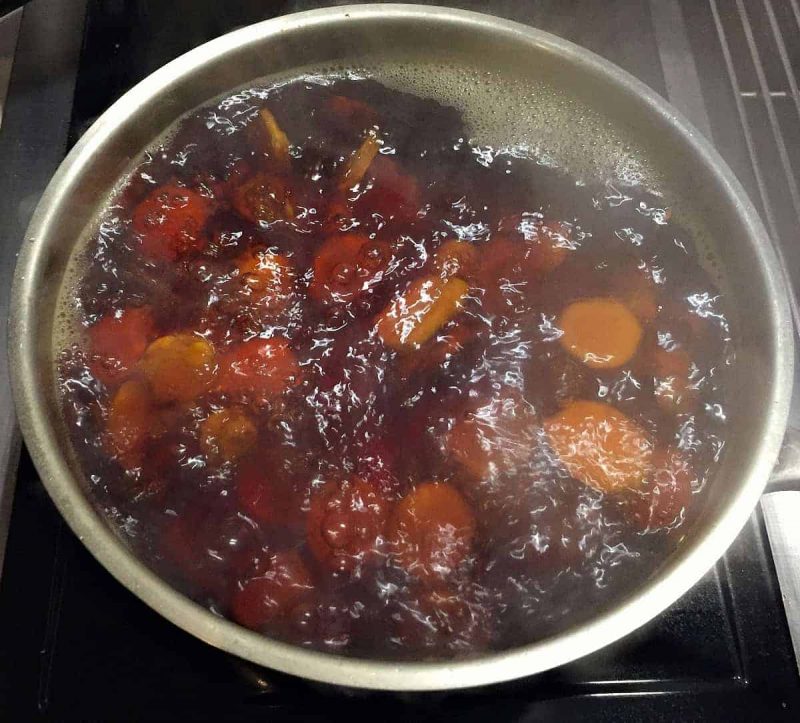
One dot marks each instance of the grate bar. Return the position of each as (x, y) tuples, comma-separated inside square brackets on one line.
[(794, 192), (748, 135), (751, 152), (772, 93), (787, 65), (681, 78)]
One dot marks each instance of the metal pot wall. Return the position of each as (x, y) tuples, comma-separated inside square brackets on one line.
[(762, 377)]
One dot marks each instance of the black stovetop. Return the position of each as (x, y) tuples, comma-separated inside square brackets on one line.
[(74, 644)]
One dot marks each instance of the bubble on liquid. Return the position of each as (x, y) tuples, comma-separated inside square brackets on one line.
[(67, 326)]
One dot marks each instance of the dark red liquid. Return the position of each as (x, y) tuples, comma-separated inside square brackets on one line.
[(249, 412)]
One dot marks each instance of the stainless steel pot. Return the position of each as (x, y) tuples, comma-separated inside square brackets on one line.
[(762, 377)]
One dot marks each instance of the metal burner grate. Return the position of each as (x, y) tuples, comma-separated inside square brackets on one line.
[(760, 44)]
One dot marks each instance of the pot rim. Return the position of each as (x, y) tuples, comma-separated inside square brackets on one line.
[(671, 581)]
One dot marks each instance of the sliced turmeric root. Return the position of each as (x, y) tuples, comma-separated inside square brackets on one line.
[(602, 333), (359, 162), (425, 307), (600, 446), (278, 140)]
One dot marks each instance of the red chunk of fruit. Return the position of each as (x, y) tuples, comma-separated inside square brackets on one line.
[(130, 420), (264, 199), (662, 502), (432, 531), (637, 291), (349, 113), (266, 495), (346, 266), (118, 341), (170, 222), (393, 193), (210, 549), (440, 619), (329, 622), (273, 592), (259, 369), (497, 437), (545, 244), (521, 258), (376, 466), (266, 279), (346, 525), (673, 390), (549, 249), (180, 544), (257, 495)]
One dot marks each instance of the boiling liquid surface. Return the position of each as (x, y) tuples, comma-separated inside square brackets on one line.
[(382, 499)]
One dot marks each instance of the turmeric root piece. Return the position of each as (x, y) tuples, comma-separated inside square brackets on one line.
[(278, 140), (443, 347), (424, 308), (359, 162), (600, 446), (602, 333)]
